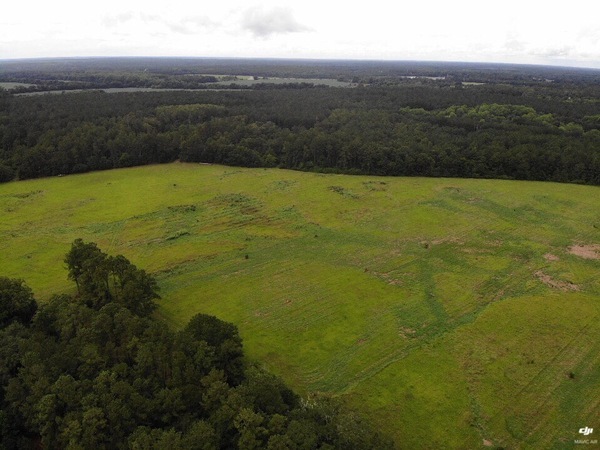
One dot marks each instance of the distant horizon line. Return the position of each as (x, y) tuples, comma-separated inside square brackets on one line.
[(310, 59)]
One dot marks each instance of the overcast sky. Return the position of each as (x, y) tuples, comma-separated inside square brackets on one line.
[(523, 31)]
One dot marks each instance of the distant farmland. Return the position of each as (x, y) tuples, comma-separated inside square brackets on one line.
[(11, 85), (453, 313), (223, 83)]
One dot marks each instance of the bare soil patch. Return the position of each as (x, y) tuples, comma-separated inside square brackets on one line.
[(556, 284), (388, 277), (586, 251), (551, 257), (499, 294), (450, 240), (407, 332)]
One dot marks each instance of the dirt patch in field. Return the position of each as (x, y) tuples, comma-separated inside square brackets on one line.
[(406, 332), (474, 251), (488, 443), (499, 294), (448, 240), (551, 257), (388, 278), (556, 284), (586, 251)]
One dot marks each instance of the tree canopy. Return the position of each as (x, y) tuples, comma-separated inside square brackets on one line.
[(102, 279), (16, 302)]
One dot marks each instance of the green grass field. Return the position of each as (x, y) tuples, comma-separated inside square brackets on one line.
[(451, 312)]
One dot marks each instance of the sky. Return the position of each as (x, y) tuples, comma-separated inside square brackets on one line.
[(523, 31)]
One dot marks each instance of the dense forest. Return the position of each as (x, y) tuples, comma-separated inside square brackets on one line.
[(95, 370), (448, 120)]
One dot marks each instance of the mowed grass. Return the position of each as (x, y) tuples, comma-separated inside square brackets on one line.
[(450, 312)]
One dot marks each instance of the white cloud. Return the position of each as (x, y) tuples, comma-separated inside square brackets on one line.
[(275, 20), (114, 20)]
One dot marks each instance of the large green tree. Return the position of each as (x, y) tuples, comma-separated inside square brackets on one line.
[(16, 302), (102, 279)]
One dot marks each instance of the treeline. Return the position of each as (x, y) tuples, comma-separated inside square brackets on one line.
[(41, 82), (95, 370), (424, 129), (360, 71)]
